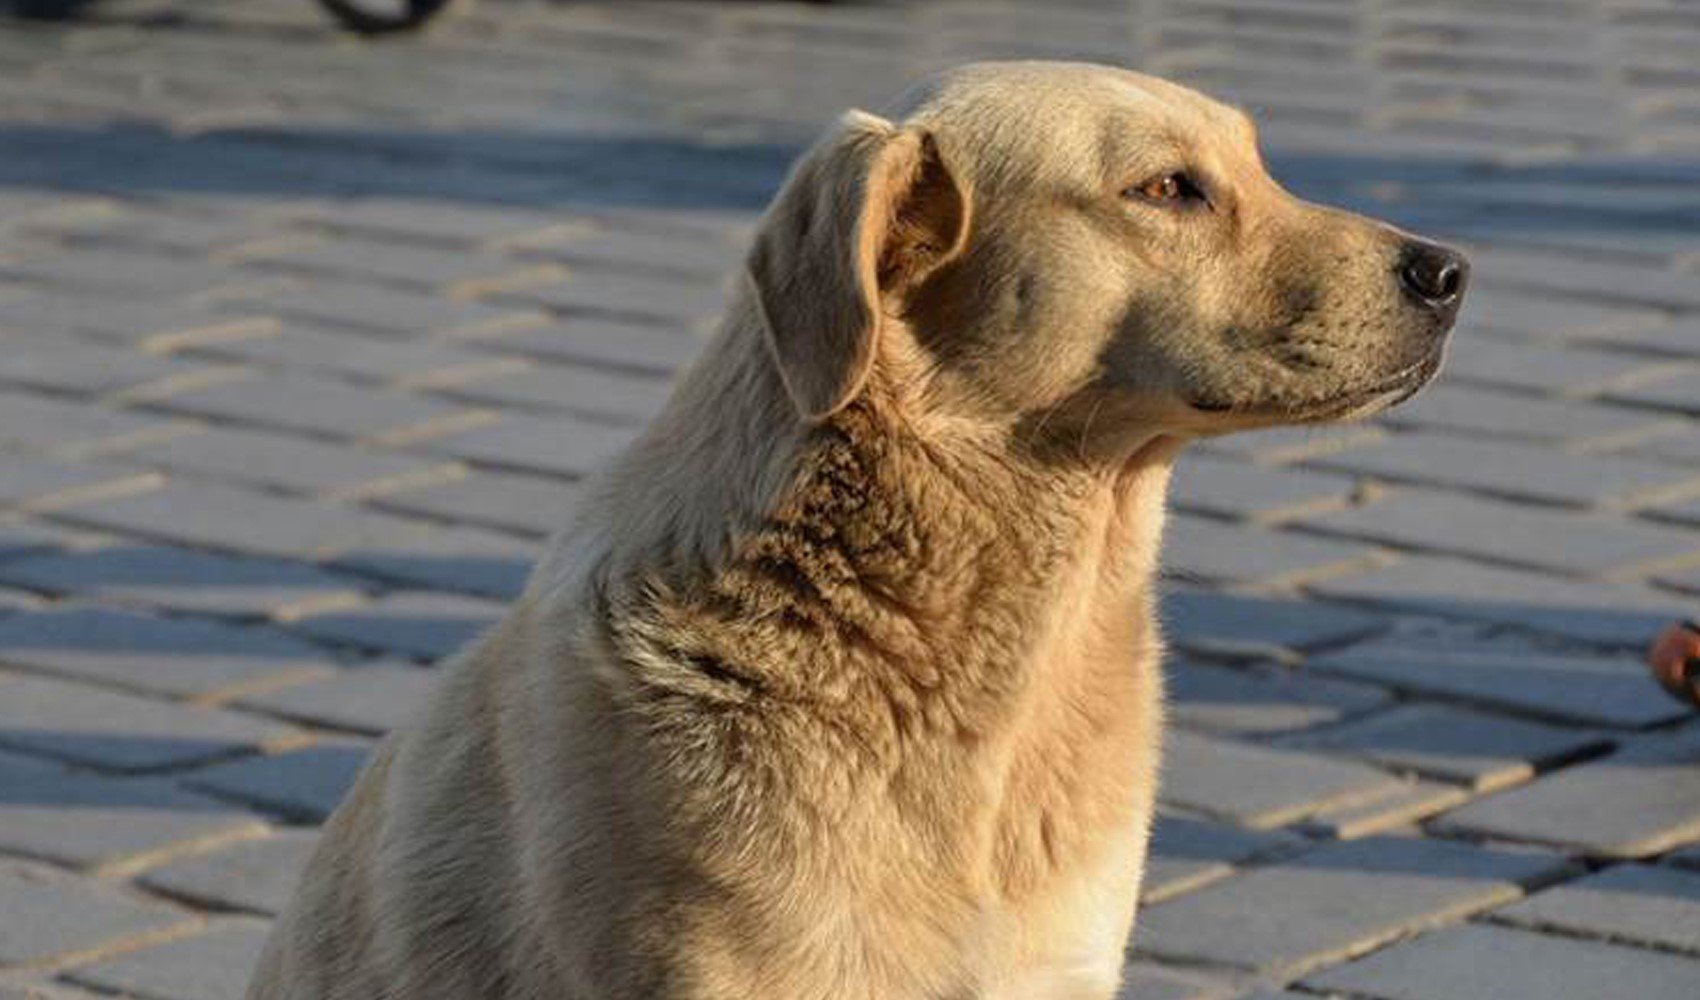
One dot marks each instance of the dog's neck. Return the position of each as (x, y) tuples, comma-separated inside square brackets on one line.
[(776, 555)]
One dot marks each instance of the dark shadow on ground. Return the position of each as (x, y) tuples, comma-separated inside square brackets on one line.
[(571, 168), (539, 168)]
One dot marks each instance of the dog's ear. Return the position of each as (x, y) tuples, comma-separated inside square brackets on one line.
[(868, 213)]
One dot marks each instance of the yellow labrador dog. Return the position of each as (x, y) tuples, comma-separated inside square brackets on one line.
[(845, 686)]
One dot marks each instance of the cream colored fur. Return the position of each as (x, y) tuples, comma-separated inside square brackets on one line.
[(845, 686)]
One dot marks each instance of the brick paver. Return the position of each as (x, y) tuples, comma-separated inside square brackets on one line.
[(1629, 903), (305, 347), (1642, 800), (1335, 901), (1464, 963), (254, 875), (1586, 688), (209, 966), (1484, 752), (70, 917)]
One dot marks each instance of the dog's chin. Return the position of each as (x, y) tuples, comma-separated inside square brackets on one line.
[(1356, 403)]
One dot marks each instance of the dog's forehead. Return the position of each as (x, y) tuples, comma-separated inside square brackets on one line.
[(1017, 116)]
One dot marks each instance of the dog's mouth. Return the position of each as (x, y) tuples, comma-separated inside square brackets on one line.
[(1349, 405)]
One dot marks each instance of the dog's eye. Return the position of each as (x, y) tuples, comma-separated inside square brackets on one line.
[(1171, 188)]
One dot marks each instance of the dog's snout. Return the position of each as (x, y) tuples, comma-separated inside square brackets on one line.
[(1433, 275)]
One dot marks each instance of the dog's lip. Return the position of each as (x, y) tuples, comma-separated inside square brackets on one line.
[(1392, 391), (1389, 393)]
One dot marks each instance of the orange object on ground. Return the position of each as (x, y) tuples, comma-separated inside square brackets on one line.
[(1675, 659)]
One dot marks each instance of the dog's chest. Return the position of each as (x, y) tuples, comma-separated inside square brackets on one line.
[(1069, 846)]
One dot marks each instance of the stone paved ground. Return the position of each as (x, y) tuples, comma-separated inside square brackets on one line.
[(305, 345)]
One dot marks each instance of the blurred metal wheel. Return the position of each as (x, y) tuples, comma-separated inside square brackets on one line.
[(377, 17)]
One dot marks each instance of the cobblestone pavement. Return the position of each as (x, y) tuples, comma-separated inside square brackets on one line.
[(305, 344)]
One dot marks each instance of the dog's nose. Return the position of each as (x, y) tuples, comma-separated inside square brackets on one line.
[(1433, 275)]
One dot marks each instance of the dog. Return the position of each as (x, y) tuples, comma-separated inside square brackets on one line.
[(845, 684)]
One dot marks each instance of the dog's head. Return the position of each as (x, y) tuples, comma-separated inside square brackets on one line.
[(1086, 255)]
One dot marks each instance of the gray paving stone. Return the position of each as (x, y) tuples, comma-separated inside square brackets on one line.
[(120, 732), (178, 579), (22, 539), (1540, 369), (400, 265), (140, 324), (1657, 907), (1641, 800), (636, 347), (1493, 413), (1339, 900), (387, 311), (317, 406), (1389, 812), (1687, 580), (623, 297), (16, 601), (1571, 687), (305, 784), (222, 517), (465, 560), (370, 699), (1285, 445), (254, 875), (289, 464), (525, 504), (1466, 963), (102, 823), (218, 236), (1673, 392), (62, 365), (213, 965), (1150, 981), (1261, 700), (1186, 853), (116, 274), (1201, 551), (41, 424), (28, 483), (1575, 544), (586, 392), (1682, 512), (1245, 626), (1574, 276), (339, 353), (1548, 194), (1687, 857), (1209, 485), (1484, 752), (600, 247), (126, 649), (1552, 317), (71, 916), (1258, 787), (1606, 614), (1670, 338), (1516, 472), (1679, 443), (550, 446), (22, 990), (21, 208), (414, 623), (427, 220)]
